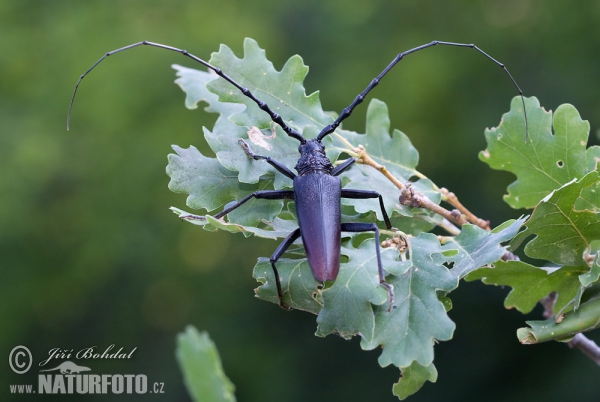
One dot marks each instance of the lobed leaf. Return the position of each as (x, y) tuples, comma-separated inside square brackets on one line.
[(554, 154), (409, 331), (413, 378), (530, 284), (562, 233), (478, 247), (300, 289), (210, 186), (348, 303), (593, 275)]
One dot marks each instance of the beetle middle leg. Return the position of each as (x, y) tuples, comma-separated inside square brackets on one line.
[(364, 194), (357, 227)]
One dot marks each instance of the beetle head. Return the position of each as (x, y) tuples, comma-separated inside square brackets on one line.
[(311, 146), (313, 158)]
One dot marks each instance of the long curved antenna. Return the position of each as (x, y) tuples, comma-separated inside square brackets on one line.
[(360, 97), (274, 116)]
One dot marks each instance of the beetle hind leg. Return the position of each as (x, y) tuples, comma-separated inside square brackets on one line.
[(292, 237), (371, 227)]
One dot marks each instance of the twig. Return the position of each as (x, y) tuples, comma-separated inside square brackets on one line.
[(586, 346), (416, 199), (366, 159), (409, 196), (452, 199)]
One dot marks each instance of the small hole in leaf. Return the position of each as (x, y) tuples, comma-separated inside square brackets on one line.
[(414, 179), (560, 164)]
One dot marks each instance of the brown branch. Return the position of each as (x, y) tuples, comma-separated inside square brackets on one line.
[(366, 159), (452, 199), (411, 197), (586, 346), (416, 199)]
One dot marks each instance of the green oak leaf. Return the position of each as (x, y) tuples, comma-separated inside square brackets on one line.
[(409, 331), (562, 233), (348, 303), (277, 229), (223, 139), (300, 289), (202, 369), (530, 284), (210, 186), (554, 154), (585, 318), (593, 158), (413, 378), (345, 307), (282, 90), (592, 276), (589, 199), (400, 157), (478, 247)]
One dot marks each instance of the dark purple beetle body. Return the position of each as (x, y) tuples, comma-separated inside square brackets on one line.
[(317, 197)]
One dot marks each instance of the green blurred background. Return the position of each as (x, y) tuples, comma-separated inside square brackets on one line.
[(91, 255)]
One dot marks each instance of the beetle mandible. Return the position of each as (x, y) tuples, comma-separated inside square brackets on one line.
[(317, 189)]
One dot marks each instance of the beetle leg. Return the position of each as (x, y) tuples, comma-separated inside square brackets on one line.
[(364, 194), (342, 167), (277, 165), (262, 194), (368, 227), (276, 256)]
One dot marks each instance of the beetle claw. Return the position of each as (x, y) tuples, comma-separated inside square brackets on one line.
[(283, 306), (390, 289)]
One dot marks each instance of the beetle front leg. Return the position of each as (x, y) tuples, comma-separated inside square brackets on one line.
[(356, 227), (343, 166), (277, 165)]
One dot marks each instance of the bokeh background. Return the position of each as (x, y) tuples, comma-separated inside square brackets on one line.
[(90, 255)]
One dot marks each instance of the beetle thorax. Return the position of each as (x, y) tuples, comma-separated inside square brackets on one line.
[(313, 158)]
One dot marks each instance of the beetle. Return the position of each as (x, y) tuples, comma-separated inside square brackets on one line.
[(317, 189)]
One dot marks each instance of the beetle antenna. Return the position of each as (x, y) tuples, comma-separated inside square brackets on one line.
[(262, 105), (361, 97)]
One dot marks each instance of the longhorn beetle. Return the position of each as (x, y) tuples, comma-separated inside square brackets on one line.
[(317, 189)]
